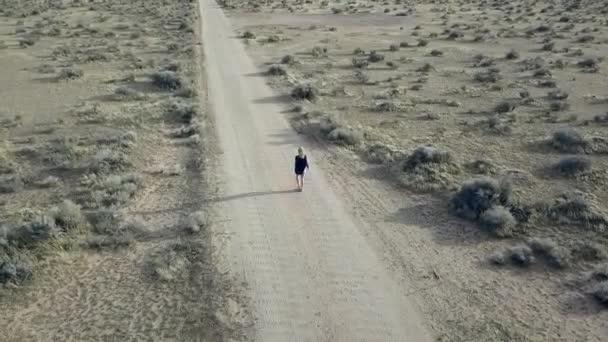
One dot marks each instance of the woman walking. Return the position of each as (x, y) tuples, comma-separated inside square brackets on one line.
[(300, 168)]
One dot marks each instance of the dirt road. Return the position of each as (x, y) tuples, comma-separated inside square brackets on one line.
[(311, 274)]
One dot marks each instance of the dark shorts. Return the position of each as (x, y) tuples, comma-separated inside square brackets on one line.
[(299, 173)]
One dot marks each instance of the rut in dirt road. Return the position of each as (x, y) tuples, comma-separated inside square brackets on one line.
[(310, 273)]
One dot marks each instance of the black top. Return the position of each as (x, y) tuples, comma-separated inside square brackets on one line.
[(301, 165)]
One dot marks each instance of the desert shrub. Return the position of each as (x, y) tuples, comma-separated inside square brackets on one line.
[(358, 51), (181, 112), (568, 140), (249, 35), (591, 251), (14, 271), (601, 118), (27, 42), (423, 42), (489, 76), (425, 155), (600, 293), (394, 47), (427, 67), (478, 195), (589, 62), (274, 39), (106, 160), (557, 95), (498, 220), (70, 74), (453, 35), (558, 106), (548, 46), (375, 57), (404, 44), (40, 228), (167, 80), (512, 54), (360, 63), (125, 93), (304, 92), (380, 154), (573, 208), (586, 39), (277, 70), (482, 167), (428, 169), (547, 249), (318, 51), (504, 107), (67, 215), (345, 136), (361, 77), (288, 59), (542, 72), (518, 255), (11, 185), (114, 190), (571, 166), (436, 53), (547, 84), (195, 222)]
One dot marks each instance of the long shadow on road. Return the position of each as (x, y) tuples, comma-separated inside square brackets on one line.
[(189, 206)]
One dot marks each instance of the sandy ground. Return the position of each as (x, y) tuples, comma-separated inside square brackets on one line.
[(163, 285), (309, 270), (443, 261)]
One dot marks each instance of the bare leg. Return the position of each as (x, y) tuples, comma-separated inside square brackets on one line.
[(298, 181)]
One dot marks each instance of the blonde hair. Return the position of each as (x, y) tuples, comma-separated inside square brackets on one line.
[(300, 151)]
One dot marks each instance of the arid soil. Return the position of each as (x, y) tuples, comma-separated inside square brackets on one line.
[(459, 155), (107, 232), (423, 111)]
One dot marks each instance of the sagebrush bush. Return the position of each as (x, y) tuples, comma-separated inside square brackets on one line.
[(346, 136), (288, 59), (181, 112), (591, 251), (195, 222), (498, 220), (70, 74), (521, 255), (574, 208), (490, 76), (40, 228), (67, 215), (14, 271), (568, 140), (600, 292), (277, 70), (478, 195), (106, 160), (249, 35), (571, 166), (125, 93), (554, 254), (504, 107), (375, 57), (304, 92), (360, 63), (428, 169), (426, 155), (512, 54), (167, 80)]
